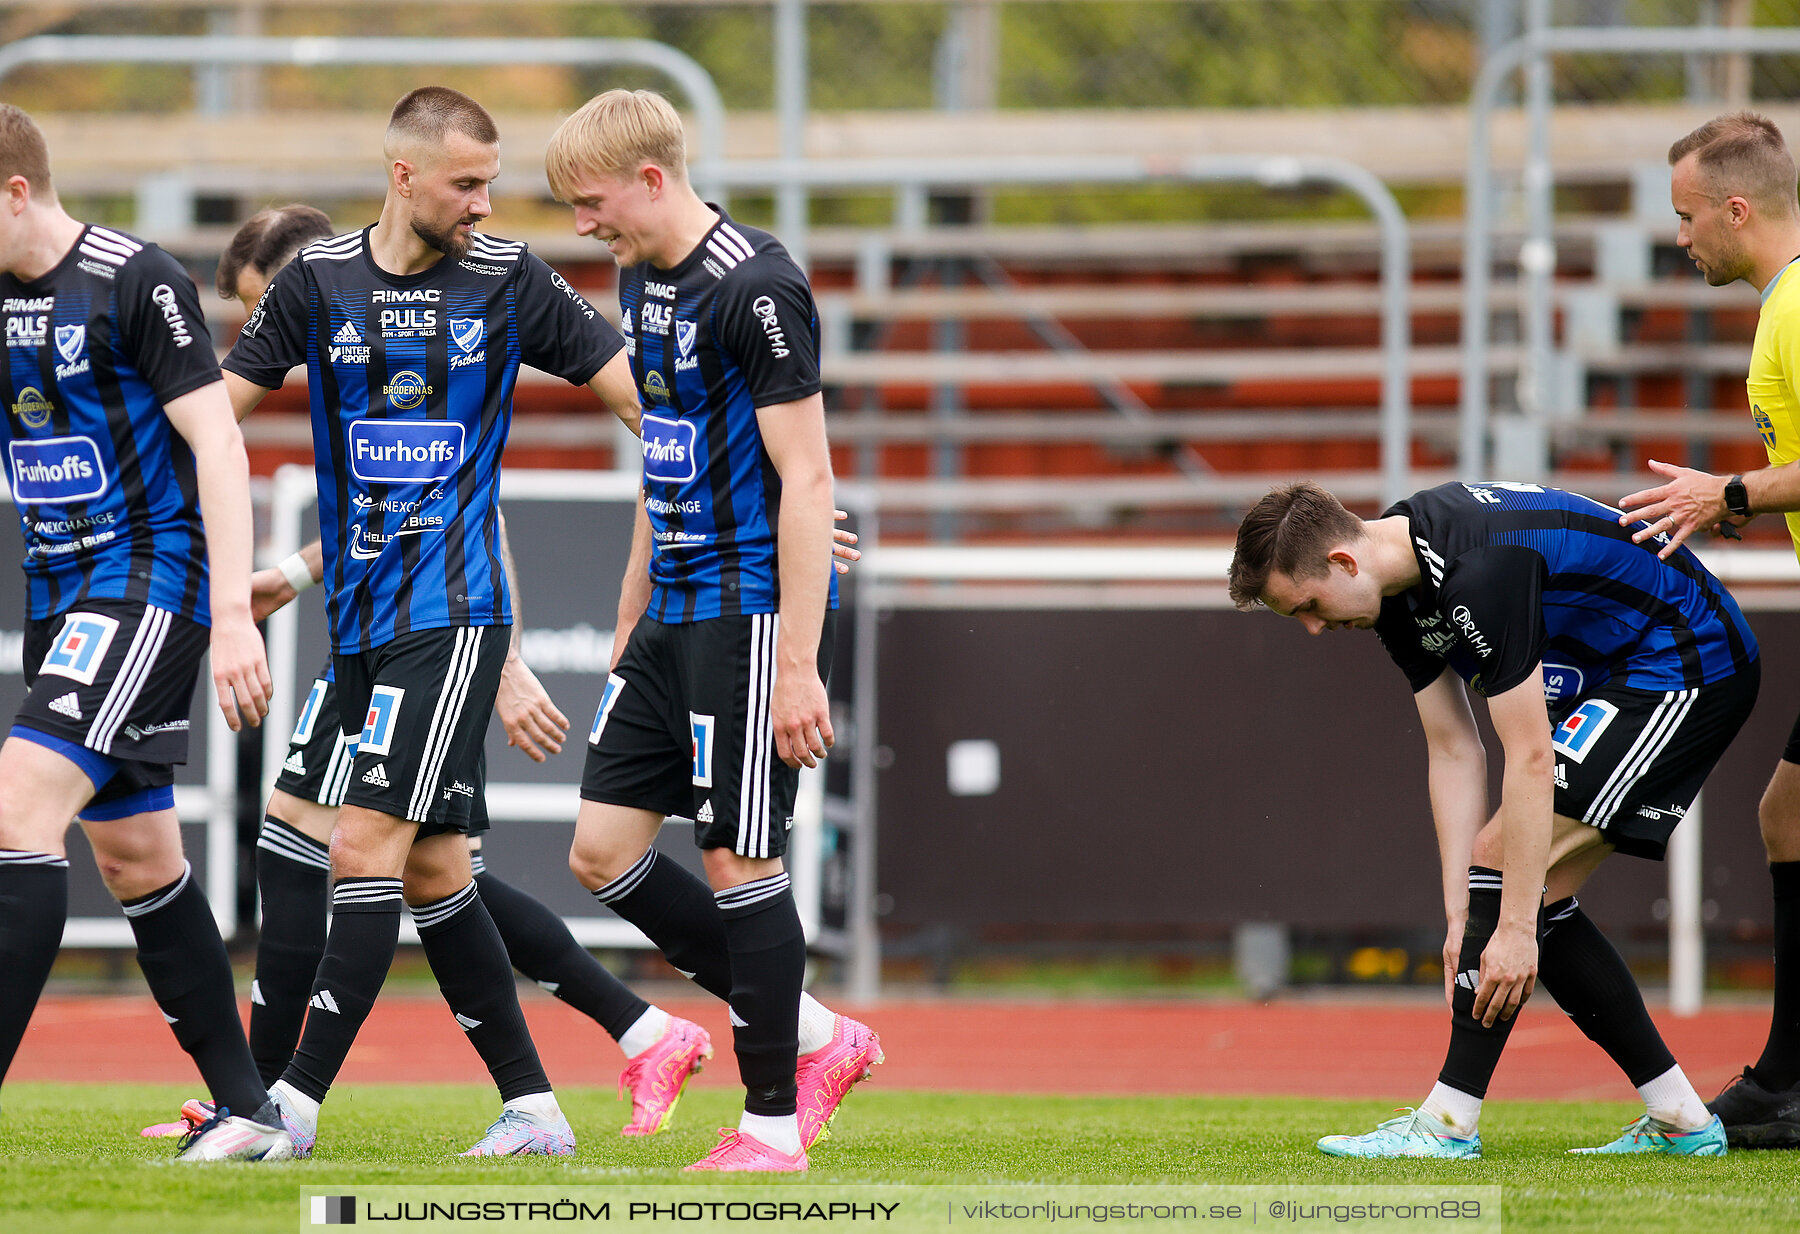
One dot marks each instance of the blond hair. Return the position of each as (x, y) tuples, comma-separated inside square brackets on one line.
[(613, 134)]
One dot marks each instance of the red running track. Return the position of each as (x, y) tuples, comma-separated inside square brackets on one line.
[(1380, 1051)]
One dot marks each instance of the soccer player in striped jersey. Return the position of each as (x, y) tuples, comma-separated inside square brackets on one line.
[(1733, 188), (717, 695), (292, 861), (1614, 679), (133, 490), (413, 331)]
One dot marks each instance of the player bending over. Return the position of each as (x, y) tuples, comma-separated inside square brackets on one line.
[(1614, 680)]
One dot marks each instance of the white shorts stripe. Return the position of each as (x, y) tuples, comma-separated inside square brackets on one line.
[(337, 771), (444, 718), (759, 739), (1650, 743), (146, 644)]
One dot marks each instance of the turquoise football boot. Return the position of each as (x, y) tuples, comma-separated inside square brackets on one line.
[(1646, 1135), (1414, 1134)]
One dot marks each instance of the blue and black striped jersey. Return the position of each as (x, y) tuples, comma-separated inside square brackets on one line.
[(104, 484), (730, 329), (1514, 575), (411, 382)]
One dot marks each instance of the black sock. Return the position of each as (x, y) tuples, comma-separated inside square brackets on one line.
[(1779, 1066), (469, 961), (1588, 979), (184, 961), (34, 902), (677, 912), (1474, 1050), (293, 872), (540, 946), (365, 928), (768, 967)]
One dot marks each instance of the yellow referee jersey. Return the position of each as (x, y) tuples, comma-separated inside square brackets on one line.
[(1774, 381)]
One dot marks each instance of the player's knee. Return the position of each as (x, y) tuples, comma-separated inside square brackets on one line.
[(1778, 818), (597, 860)]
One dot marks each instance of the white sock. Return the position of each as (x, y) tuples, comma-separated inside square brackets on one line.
[(817, 1024), (541, 1106), (646, 1032), (1671, 1100), (1454, 1108), (298, 1103), (780, 1132)]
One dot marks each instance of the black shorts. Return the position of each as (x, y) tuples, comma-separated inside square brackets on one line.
[(321, 754), (1630, 762), (424, 699), (115, 677), (683, 729)]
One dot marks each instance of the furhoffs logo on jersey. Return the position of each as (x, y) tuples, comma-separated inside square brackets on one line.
[(56, 470), (164, 295), (405, 451), (668, 450), (764, 308), (406, 390), (32, 408)]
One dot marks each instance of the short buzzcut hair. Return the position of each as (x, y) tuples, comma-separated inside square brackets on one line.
[(23, 151), (267, 241), (614, 134), (431, 113), (1742, 154), (1291, 529)]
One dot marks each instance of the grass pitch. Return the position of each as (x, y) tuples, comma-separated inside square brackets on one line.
[(71, 1159)]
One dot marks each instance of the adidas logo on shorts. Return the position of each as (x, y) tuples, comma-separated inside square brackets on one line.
[(376, 775), (67, 705), (706, 814), (295, 765)]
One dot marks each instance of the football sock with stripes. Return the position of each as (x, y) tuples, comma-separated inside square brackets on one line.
[(469, 960), (1474, 1049), (365, 928), (184, 961), (34, 901), (1588, 978), (677, 912), (768, 965), (539, 945), (293, 872), (1779, 1066)]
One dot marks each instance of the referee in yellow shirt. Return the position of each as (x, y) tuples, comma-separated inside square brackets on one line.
[(1733, 188)]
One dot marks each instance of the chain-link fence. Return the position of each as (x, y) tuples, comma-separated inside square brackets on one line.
[(884, 54)]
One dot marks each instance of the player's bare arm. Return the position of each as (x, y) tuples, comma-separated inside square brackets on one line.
[(794, 435), (1456, 777), (1509, 964), (634, 588), (617, 388), (240, 669), (245, 395), (531, 719), (1690, 500)]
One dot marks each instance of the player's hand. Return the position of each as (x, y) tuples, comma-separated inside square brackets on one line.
[(269, 591), (1508, 975), (841, 542), (1691, 501), (240, 671), (1453, 940), (802, 718), (531, 720)]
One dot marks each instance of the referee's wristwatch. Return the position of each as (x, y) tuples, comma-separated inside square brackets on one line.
[(1737, 497)]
